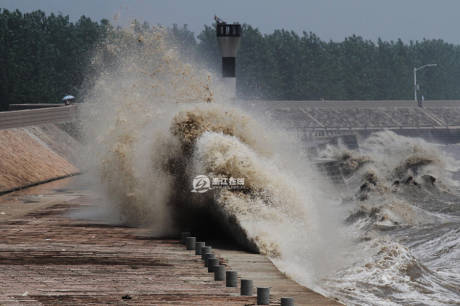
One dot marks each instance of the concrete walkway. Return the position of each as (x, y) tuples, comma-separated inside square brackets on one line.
[(264, 274), (47, 258)]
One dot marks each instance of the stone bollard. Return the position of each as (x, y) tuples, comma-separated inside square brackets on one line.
[(287, 301), (184, 235), (208, 256), (263, 296), (212, 264), (198, 246), (231, 279), (204, 251), (219, 273), (190, 243), (246, 287)]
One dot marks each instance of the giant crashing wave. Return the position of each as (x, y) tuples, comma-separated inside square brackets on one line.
[(153, 122), (223, 142)]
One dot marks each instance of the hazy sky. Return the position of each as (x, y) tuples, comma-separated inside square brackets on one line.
[(330, 19)]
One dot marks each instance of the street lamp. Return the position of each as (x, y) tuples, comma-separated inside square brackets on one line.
[(415, 77)]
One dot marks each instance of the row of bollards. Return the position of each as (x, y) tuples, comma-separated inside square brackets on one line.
[(230, 277)]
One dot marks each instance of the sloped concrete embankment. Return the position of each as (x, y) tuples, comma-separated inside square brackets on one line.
[(34, 155)]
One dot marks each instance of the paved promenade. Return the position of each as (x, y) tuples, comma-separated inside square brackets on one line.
[(48, 258), (264, 274)]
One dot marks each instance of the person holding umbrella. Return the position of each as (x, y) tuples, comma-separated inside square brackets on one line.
[(68, 99)]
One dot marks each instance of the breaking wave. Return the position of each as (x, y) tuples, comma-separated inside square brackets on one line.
[(402, 201), (153, 123)]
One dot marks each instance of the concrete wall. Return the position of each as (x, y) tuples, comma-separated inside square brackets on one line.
[(437, 121), (34, 155), (31, 117), (320, 115)]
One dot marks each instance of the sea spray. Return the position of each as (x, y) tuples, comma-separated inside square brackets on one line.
[(139, 86), (152, 123)]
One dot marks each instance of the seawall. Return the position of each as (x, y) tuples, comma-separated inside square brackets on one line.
[(34, 155)]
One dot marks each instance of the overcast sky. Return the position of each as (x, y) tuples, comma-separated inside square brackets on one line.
[(330, 19)]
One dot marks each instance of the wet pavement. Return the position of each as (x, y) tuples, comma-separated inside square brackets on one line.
[(48, 258)]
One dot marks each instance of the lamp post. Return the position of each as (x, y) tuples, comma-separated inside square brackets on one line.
[(415, 77)]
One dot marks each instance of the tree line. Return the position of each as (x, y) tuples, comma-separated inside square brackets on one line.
[(44, 57)]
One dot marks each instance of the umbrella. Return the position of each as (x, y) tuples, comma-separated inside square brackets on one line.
[(68, 97)]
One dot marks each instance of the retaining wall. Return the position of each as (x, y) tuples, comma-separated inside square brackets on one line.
[(33, 155)]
